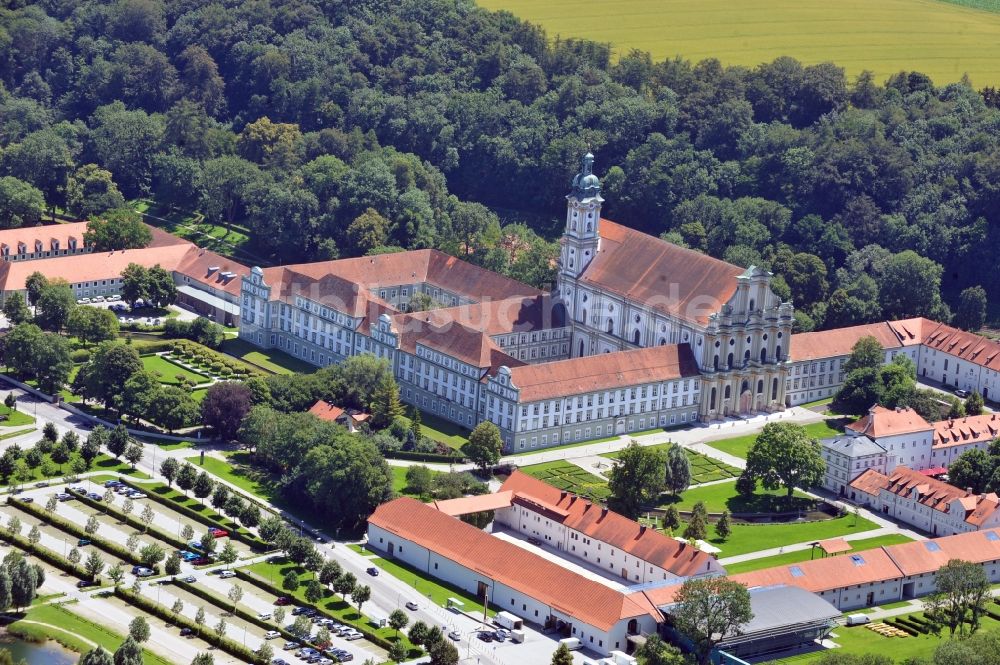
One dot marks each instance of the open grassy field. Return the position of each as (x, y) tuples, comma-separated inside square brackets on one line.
[(169, 373), (789, 558), (739, 445), (942, 39)]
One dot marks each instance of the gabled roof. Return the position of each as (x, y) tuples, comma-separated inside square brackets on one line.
[(603, 372), (926, 556), (880, 422), (567, 592), (499, 317), (933, 493), (968, 346), (326, 411), (966, 431), (608, 526), (465, 505), (833, 572), (678, 281), (840, 341), (461, 342)]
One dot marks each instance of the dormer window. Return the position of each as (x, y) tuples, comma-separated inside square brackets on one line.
[(72, 244), (38, 246)]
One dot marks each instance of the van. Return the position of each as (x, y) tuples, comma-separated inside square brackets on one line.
[(571, 643), (857, 619), (508, 621)]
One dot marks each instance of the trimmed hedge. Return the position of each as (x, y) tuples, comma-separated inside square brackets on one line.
[(424, 457), (133, 522), (226, 604), (270, 588), (896, 623), (207, 633), (45, 554), (108, 546), (236, 533)]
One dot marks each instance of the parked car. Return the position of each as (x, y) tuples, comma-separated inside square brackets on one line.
[(94, 496), (271, 634), (142, 571), (63, 496), (113, 297), (201, 561), (83, 301), (25, 499), (218, 533), (42, 483), (113, 483), (78, 489), (410, 605), (455, 635), (485, 637), (961, 393), (190, 579), (136, 495), (83, 541), (186, 632), (291, 646), (264, 616), (282, 601), (226, 574), (373, 571), (83, 584)]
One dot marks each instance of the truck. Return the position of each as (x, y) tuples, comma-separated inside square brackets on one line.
[(508, 621), (858, 619), (572, 643)]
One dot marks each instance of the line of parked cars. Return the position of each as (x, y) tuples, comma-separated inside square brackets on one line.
[(114, 297)]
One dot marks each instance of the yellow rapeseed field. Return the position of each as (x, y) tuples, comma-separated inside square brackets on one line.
[(941, 39)]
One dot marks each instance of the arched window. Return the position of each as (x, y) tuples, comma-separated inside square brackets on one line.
[(581, 348), (715, 363), (746, 356), (611, 327), (584, 319), (590, 227), (744, 386), (730, 361), (763, 355), (635, 337), (777, 352), (751, 305), (774, 390), (760, 386), (729, 392), (663, 341), (711, 403)]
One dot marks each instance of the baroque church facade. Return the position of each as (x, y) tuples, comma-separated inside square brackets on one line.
[(624, 289)]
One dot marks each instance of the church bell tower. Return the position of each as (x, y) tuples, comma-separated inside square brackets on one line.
[(581, 239)]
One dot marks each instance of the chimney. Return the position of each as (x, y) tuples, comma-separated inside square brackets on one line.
[(604, 513), (562, 495), (642, 530)]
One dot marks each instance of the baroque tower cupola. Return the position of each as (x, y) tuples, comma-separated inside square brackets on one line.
[(583, 215)]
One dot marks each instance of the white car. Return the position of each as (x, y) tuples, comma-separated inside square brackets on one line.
[(226, 574), (271, 634), (98, 299), (113, 297), (264, 616), (83, 301)]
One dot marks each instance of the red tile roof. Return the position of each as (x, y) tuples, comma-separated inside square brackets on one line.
[(927, 556), (326, 411), (568, 592), (840, 341), (966, 431), (933, 493), (466, 505), (678, 281), (881, 421), (608, 526), (604, 371), (454, 339), (970, 347), (829, 573), (498, 317)]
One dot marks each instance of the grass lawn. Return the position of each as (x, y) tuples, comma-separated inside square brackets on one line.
[(177, 497), (723, 496), (167, 372), (239, 472), (704, 469), (432, 589), (71, 628), (271, 360), (854, 34), (199, 394), (331, 603), (17, 432), (789, 558), (753, 537), (101, 463), (858, 640), (13, 418), (399, 481), (739, 445), (442, 431), (569, 477)]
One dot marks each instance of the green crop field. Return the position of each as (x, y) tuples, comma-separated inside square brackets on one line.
[(942, 39)]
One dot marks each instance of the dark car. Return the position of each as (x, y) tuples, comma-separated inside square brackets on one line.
[(95, 496), (25, 499), (186, 632), (282, 600), (485, 637), (373, 571), (83, 541), (83, 584)]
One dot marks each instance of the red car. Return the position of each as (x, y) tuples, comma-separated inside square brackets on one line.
[(201, 561), (282, 600), (218, 533)]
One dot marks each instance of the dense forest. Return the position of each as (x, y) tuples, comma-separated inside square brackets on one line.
[(341, 127)]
